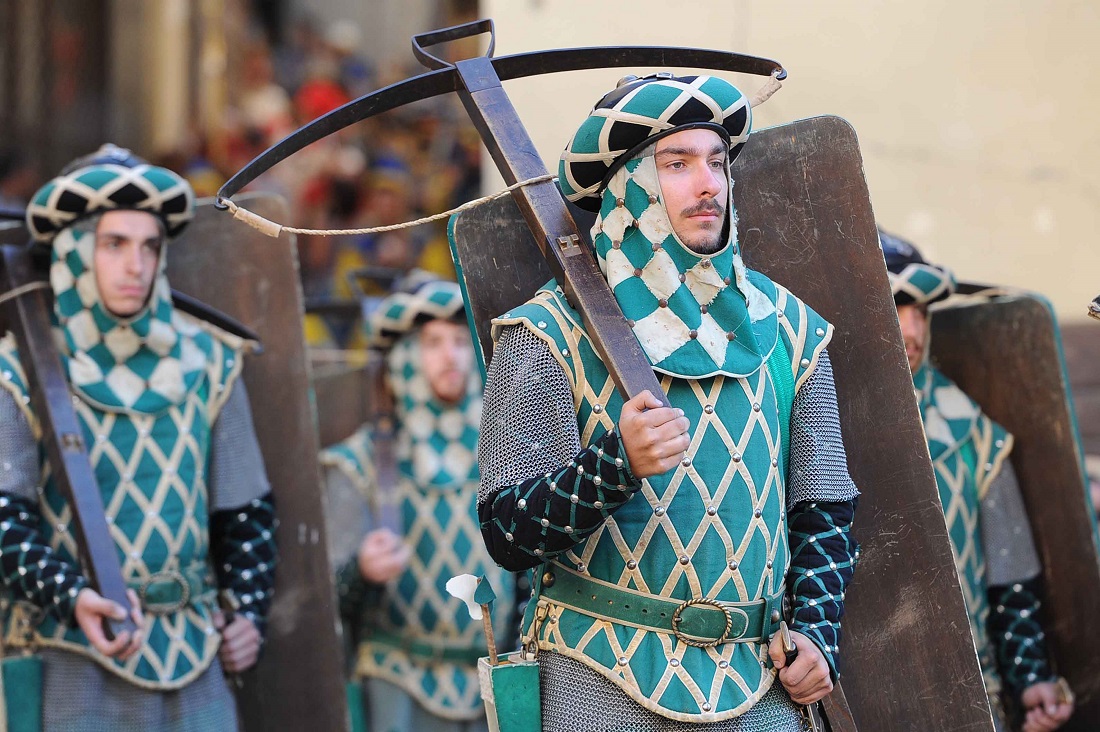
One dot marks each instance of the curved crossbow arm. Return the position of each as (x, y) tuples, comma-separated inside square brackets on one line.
[(477, 81), (445, 79)]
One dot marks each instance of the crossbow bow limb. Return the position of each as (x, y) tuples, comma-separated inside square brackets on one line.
[(477, 81)]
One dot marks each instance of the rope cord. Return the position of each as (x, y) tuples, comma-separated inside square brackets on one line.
[(765, 92), (273, 229), (23, 290)]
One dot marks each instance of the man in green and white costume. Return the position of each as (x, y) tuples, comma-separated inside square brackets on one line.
[(995, 556), (169, 432), (417, 645), (667, 542)]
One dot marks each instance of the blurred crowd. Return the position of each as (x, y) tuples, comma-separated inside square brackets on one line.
[(418, 160)]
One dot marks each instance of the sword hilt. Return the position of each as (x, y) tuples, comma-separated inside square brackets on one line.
[(454, 33)]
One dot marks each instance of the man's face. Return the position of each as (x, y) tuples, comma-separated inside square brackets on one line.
[(127, 248), (914, 331), (691, 167), (446, 357)]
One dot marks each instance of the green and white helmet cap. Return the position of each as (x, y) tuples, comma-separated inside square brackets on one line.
[(151, 360), (418, 298), (695, 315), (437, 444)]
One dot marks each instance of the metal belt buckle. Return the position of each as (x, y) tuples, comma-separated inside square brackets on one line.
[(168, 575), (676, 619)]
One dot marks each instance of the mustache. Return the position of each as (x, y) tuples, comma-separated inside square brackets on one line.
[(708, 206)]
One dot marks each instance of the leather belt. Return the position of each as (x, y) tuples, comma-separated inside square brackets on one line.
[(171, 590), (700, 622), (427, 651)]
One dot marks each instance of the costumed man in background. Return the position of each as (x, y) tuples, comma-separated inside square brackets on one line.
[(991, 539), (417, 645), (667, 540), (169, 432)]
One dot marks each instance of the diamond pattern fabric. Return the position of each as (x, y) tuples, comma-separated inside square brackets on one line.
[(823, 563), (1021, 645), (244, 556), (72, 196), (141, 365), (150, 472), (639, 112), (400, 312), (418, 637), (967, 450), (694, 315), (913, 281), (714, 527)]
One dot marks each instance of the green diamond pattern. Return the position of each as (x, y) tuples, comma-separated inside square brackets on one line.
[(693, 532)]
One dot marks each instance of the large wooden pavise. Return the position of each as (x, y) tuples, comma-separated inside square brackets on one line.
[(805, 220), (298, 683), (1005, 352)]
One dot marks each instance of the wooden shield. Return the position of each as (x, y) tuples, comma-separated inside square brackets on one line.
[(805, 220), (1006, 353), (299, 682)]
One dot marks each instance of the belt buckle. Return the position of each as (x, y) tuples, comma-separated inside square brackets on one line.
[(676, 619), (166, 575)]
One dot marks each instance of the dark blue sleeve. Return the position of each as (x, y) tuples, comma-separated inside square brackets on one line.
[(536, 520), (823, 559)]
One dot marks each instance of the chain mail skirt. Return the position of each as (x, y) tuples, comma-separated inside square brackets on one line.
[(79, 695), (576, 699)]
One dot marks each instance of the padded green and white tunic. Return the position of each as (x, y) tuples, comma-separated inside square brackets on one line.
[(169, 434), (733, 350), (413, 633), (151, 469), (714, 527), (968, 450), (995, 557)]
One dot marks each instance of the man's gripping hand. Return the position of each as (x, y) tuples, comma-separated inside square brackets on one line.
[(1046, 710), (807, 679), (655, 436), (92, 609), (383, 555), (241, 643)]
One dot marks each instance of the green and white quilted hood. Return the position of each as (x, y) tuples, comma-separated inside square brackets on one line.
[(143, 364), (695, 315)]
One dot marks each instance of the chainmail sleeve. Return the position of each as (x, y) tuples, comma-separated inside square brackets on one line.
[(821, 501), (818, 467), (29, 568), (237, 474), (540, 494), (242, 519), (1006, 532), (1014, 586)]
